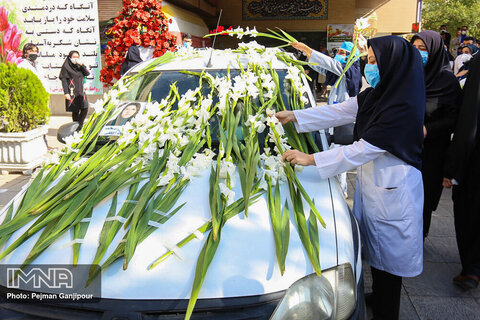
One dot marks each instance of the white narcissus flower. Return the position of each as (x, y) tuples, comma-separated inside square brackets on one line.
[(227, 169), (253, 32), (362, 23), (228, 194), (238, 32), (206, 103), (121, 86), (203, 160), (98, 106), (53, 157), (172, 163), (73, 140), (165, 178), (303, 99)]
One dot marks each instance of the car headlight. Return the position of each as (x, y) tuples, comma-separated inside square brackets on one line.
[(329, 297)]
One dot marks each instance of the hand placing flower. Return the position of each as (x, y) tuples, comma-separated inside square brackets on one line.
[(296, 157), (285, 117), (447, 183), (302, 47)]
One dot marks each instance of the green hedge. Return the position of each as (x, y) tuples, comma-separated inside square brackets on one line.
[(23, 100)]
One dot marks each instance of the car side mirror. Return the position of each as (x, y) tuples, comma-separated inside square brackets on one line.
[(67, 130)]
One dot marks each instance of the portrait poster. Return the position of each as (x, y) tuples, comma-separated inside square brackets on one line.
[(58, 27), (128, 111), (284, 9), (338, 33)]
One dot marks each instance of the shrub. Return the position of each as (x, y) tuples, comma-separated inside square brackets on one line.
[(23, 100)]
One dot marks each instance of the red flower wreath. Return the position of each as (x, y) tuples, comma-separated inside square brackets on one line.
[(141, 22)]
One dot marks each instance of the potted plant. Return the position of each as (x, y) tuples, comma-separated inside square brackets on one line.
[(24, 107), (24, 112)]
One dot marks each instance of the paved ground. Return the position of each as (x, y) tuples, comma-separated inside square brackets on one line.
[(432, 295)]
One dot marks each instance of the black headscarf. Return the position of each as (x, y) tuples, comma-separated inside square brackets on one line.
[(467, 135), (71, 71), (390, 116), (132, 59), (440, 83)]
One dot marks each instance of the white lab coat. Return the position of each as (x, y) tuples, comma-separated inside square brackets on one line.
[(36, 69), (388, 201)]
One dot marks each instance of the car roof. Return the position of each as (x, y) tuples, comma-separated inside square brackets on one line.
[(198, 60)]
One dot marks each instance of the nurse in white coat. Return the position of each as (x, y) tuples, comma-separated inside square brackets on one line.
[(388, 200)]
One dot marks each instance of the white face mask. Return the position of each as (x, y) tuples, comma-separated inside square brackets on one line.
[(74, 60), (464, 32)]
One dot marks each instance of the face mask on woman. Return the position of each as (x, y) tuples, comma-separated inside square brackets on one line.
[(340, 58), (424, 55), (372, 74), (32, 56), (74, 60)]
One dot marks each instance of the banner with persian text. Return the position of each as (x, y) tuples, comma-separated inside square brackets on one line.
[(57, 27)]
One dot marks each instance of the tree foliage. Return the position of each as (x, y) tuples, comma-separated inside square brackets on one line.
[(453, 13)]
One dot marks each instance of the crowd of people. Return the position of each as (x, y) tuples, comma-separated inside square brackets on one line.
[(403, 150)]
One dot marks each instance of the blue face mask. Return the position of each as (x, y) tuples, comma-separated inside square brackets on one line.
[(340, 58), (372, 74), (424, 55)]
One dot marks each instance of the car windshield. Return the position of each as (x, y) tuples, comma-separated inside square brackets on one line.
[(155, 86), (158, 84)]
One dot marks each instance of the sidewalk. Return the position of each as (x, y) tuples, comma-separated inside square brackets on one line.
[(432, 295)]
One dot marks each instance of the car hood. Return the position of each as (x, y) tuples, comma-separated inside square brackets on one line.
[(244, 264)]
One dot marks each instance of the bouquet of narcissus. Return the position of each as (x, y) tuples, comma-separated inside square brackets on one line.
[(224, 128)]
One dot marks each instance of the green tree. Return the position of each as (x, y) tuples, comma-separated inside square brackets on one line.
[(453, 13)]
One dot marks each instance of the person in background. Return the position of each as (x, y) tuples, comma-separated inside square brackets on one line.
[(349, 85), (463, 173), (455, 43), (187, 41), (132, 59), (387, 154), (461, 58), (73, 75), (446, 37), (468, 51), (468, 40), (442, 97), (463, 32), (30, 55)]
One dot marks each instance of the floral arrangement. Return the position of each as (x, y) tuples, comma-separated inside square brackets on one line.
[(10, 39), (141, 23), (164, 148), (364, 27)]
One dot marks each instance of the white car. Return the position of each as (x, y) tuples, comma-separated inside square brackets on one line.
[(243, 280)]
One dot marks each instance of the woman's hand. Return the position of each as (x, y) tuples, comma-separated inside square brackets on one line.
[(447, 183), (297, 157), (424, 131), (67, 97), (285, 117), (302, 47), (362, 43)]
